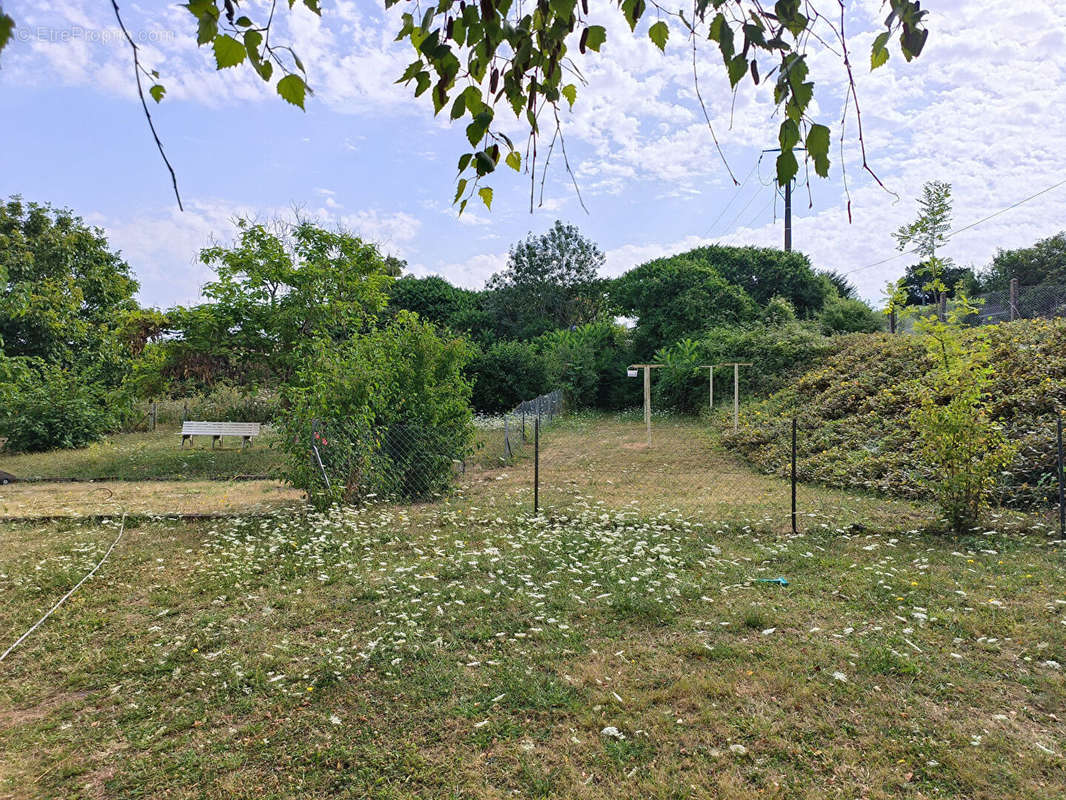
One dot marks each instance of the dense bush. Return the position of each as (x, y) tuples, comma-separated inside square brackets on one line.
[(43, 407), (589, 364), (856, 412), (388, 412), (778, 354), (506, 374), (843, 315)]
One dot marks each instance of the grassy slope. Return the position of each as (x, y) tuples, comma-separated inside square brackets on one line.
[(141, 456), (853, 412), (463, 650)]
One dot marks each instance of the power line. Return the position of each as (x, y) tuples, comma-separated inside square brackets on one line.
[(964, 228), (732, 200)]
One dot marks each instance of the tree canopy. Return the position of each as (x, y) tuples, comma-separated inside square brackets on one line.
[(1042, 263), (551, 281), (276, 288), (677, 297), (64, 294)]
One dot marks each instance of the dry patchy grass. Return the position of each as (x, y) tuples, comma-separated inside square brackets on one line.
[(45, 500)]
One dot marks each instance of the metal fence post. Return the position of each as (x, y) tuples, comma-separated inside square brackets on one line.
[(794, 520), (1013, 299), (1062, 488), (154, 414), (536, 465), (506, 439)]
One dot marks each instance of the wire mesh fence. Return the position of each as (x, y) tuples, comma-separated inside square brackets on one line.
[(786, 472), (506, 438), (789, 472), (1017, 302)]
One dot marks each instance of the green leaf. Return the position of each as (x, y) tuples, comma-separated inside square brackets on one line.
[(879, 52), (659, 33), (7, 27), (485, 193), (243, 22), (738, 68), (460, 187), (818, 148), (292, 89), (459, 106), (228, 51), (787, 167), (157, 91), (597, 36), (570, 93), (207, 28), (475, 131), (514, 160), (788, 135)]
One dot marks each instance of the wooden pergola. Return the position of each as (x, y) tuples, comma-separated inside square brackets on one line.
[(736, 365)]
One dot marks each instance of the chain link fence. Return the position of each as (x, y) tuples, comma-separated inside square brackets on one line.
[(787, 472), (1017, 302)]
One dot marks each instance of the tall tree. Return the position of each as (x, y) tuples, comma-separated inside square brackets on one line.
[(64, 293), (476, 60), (927, 234), (676, 298), (277, 288), (551, 281)]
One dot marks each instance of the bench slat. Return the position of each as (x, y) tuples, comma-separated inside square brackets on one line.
[(201, 428)]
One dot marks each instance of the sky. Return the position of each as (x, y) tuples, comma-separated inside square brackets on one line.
[(983, 108)]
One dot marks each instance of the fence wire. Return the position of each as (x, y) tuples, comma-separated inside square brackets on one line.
[(789, 472)]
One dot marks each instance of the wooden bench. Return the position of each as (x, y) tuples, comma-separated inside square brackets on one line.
[(216, 430)]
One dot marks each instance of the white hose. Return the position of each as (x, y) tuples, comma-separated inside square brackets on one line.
[(121, 529)]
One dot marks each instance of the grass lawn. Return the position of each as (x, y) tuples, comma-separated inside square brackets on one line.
[(466, 649), (146, 456)]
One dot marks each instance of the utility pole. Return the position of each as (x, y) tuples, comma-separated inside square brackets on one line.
[(788, 217), (788, 203)]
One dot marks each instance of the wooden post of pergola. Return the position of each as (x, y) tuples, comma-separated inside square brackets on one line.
[(632, 372), (736, 365), (710, 385)]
